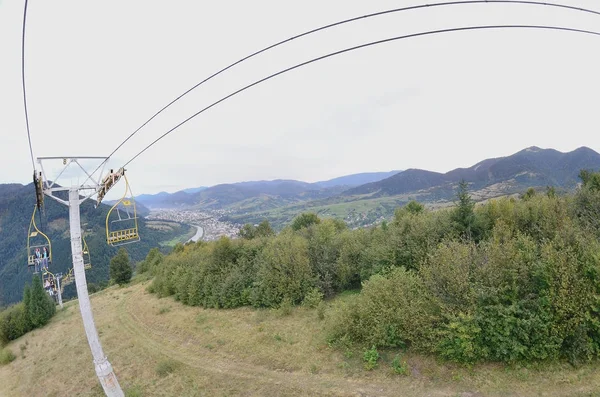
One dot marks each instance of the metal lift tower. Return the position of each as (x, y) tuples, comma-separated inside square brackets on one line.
[(77, 194)]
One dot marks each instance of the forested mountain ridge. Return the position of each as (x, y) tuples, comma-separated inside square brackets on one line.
[(16, 207)]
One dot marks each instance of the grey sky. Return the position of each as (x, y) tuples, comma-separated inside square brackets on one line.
[(97, 70)]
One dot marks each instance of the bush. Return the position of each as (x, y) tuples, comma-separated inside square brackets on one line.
[(395, 310), (13, 323), (370, 357), (400, 367), (460, 340), (285, 308), (313, 299), (284, 271), (6, 356)]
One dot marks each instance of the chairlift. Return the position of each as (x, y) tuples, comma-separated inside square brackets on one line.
[(122, 227), (68, 279), (37, 243), (87, 262), (49, 284)]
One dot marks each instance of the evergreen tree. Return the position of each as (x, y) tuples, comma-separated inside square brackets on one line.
[(41, 306), (120, 268), (464, 215)]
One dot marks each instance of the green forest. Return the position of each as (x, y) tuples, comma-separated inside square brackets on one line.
[(509, 280)]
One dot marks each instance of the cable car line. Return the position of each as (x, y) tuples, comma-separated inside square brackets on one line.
[(23, 78), (342, 22), (373, 43)]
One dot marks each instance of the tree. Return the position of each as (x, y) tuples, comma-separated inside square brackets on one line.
[(414, 207), (590, 180), (120, 269), (264, 229), (248, 231), (39, 306), (464, 215), (529, 194), (305, 220)]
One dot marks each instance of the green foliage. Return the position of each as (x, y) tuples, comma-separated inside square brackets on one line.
[(285, 307), (313, 299), (529, 194), (321, 311), (305, 220), (414, 207), (395, 310), (120, 268), (13, 323), (460, 340), (511, 280), (400, 367), (590, 180), (6, 356), (370, 357), (35, 311), (284, 271), (39, 307), (263, 229), (151, 263), (464, 215)]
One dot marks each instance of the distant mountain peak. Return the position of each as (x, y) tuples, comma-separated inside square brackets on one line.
[(533, 149)]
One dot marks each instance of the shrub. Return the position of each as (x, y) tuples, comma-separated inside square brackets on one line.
[(460, 340), (13, 323), (400, 367), (395, 310), (370, 357), (6, 356), (321, 311), (285, 307), (284, 271), (313, 299)]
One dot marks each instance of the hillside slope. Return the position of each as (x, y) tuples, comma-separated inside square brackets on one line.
[(159, 347)]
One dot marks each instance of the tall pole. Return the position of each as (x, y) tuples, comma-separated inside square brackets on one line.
[(58, 290), (104, 370)]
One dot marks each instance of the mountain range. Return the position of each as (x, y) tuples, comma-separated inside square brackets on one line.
[(361, 199), (275, 192)]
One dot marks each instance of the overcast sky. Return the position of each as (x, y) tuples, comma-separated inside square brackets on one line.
[(95, 71)]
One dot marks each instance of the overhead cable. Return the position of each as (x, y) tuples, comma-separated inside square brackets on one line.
[(373, 43), (342, 22), (23, 78)]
